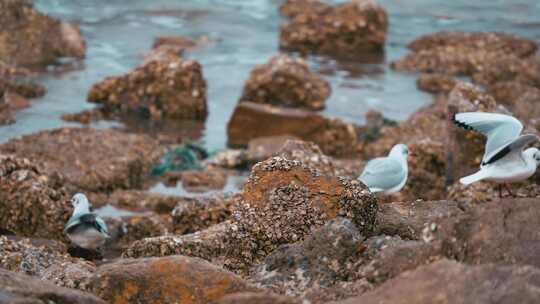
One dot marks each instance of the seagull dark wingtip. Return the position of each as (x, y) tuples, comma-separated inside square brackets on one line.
[(460, 123)]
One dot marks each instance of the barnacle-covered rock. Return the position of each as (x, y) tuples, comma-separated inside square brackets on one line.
[(165, 87), (345, 30), (436, 83), (286, 81)]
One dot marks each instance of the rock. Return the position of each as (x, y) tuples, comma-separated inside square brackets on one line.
[(256, 298), (520, 98), (174, 279), (88, 116), (452, 282), (203, 181), (310, 155), (207, 244), (262, 148), (345, 30), (283, 200), (509, 68), (286, 81), (251, 120), (466, 53), (409, 219), (228, 159), (20, 288), (32, 39), (6, 114), (32, 204), (45, 263), (25, 88), (137, 200), (436, 83), (169, 87), (16, 101), (170, 46), (325, 257), (138, 227), (118, 160), (192, 215)]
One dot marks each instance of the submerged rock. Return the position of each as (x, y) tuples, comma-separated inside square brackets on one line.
[(20, 288), (174, 279), (45, 263), (250, 120), (286, 81), (169, 87), (32, 39), (452, 282), (32, 204), (345, 30), (117, 159)]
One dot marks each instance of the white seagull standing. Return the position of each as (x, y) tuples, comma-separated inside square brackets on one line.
[(85, 229), (504, 159), (387, 174)]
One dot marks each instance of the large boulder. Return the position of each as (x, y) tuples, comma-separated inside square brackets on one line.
[(32, 203), (45, 262), (345, 30), (286, 81), (466, 53), (284, 200), (174, 279), (31, 39), (166, 87), (250, 120), (451, 282), (20, 288), (90, 159)]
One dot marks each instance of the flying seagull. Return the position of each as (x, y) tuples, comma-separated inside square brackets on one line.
[(85, 229), (504, 159), (387, 174)]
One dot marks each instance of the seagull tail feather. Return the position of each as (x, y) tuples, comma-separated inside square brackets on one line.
[(478, 176)]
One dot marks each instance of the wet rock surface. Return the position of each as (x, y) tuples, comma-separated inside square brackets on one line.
[(192, 215), (168, 87), (452, 282), (32, 203), (20, 288), (175, 279), (32, 39), (250, 120), (344, 30), (286, 81), (256, 298), (44, 262), (116, 159)]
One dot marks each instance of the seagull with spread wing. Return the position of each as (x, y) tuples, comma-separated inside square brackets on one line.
[(505, 160), (85, 229), (387, 174)]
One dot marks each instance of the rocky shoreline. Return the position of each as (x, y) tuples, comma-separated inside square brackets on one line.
[(300, 228)]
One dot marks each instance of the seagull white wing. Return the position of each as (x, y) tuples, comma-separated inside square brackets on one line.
[(383, 173), (514, 149), (500, 129)]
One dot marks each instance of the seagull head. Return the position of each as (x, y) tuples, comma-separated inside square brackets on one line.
[(80, 203), (399, 150), (535, 153)]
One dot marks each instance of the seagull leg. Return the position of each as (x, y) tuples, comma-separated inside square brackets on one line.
[(508, 189), (500, 190)]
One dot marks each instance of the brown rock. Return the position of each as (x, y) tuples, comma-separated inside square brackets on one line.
[(286, 81), (174, 279), (32, 39), (256, 298), (436, 83), (262, 148), (251, 120), (168, 87), (522, 99), (325, 257), (310, 155), (345, 30), (509, 68), (20, 288), (31, 204), (283, 200), (203, 181), (462, 52), (451, 282), (6, 114), (228, 159), (139, 227), (192, 215), (136, 200), (45, 263), (116, 159)]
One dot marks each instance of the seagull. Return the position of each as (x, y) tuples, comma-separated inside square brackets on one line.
[(504, 159), (85, 229), (387, 174)]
